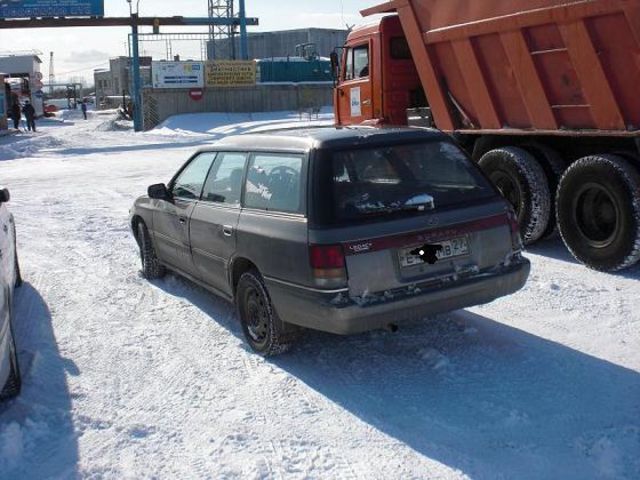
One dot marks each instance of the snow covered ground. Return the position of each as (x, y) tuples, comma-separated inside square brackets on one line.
[(129, 379)]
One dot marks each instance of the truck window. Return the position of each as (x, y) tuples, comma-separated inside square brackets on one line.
[(357, 63), (361, 61), (399, 48)]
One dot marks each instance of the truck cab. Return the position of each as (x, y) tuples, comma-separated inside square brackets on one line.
[(378, 81)]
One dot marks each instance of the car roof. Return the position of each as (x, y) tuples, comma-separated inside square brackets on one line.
[(305, 139)]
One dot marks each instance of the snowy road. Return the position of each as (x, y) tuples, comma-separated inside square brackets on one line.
[(127, 379)]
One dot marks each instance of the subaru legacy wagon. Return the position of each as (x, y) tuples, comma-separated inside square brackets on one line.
[(340, 230)]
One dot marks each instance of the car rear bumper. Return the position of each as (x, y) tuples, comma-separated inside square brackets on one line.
[(336, 313)]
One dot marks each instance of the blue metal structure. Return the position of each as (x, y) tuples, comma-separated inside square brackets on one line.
[(48, 9)]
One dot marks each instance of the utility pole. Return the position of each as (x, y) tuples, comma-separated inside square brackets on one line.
[(136, 94), (52, 74)]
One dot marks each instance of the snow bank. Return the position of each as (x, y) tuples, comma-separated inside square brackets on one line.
[(221, 124)]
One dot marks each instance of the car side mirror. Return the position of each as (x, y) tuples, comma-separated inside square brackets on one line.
[(4, 195), (159, 191)]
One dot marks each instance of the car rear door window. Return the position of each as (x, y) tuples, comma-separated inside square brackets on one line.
[(188, 185), (274, 182), (409, 179), (224, 183)]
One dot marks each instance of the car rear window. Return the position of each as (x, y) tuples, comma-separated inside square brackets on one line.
[(411, 179)]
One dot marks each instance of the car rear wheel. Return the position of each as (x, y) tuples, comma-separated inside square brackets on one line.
[(262, 328), (151, 267), (522, 181), (598, 205), (14, 383)]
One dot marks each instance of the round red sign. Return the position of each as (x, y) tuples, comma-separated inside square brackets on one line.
[(196, 94)]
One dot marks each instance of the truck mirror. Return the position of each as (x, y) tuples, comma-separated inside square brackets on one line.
[(335, 65)]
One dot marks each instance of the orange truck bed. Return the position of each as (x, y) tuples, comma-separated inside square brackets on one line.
[(527, 66)]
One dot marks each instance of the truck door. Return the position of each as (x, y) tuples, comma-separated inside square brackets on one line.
[(355, 93)]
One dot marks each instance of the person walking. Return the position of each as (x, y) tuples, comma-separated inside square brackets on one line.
[(83, 106), (30, 115), (16, 114)]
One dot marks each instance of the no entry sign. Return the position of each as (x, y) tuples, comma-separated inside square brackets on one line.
[(196, 94)]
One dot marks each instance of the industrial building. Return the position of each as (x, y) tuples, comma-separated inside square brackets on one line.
[(283, 43), (112, 84)]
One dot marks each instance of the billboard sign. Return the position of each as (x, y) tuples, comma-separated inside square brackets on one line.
[(231, 73), (51, 8), (177, 74)]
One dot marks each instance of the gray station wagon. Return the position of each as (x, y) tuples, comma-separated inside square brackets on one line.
[(340, 230)]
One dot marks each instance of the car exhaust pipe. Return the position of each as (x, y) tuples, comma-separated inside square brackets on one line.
[(392, 327)]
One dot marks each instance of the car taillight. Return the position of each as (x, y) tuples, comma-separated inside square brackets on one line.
[(328, 264), (516, 238)]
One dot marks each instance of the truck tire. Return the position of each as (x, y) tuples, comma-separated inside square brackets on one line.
[(152, 269), (265, 333), (598, 207), (522, 181), (554, 167)]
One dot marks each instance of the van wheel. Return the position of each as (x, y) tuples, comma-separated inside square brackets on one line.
[(522, 181), (554, 167), (151, 267), (598, 207), (14, 382), (264, 331)]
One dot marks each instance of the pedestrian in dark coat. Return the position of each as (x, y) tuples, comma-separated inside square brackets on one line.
[(83, 106), (30, 115), (16, 114)]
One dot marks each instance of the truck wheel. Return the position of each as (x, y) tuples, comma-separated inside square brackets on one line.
[(264, 331), (14, 382), (598, 205), (151, 267), (554, 167), (522, 181)]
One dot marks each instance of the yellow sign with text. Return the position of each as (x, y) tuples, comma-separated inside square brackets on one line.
[(230, 73)]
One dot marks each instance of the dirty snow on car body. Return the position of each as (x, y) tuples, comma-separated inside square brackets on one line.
[(129, 379)]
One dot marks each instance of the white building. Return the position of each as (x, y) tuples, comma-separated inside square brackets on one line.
[(25, 78)]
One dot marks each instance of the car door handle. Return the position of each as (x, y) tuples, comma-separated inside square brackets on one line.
[(227, 230), (182, 220)]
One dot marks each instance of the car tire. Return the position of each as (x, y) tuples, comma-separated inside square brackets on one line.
[(598, 208), (152, 269), (554, 167), (265, 333), (522, 181), (19, 281), (14, 383)]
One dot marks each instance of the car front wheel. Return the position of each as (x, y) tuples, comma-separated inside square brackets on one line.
[(151, 266)]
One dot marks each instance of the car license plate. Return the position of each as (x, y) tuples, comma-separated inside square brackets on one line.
[(456, 247)]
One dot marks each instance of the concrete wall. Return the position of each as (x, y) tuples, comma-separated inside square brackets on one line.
[(283, 43), (158, 105)]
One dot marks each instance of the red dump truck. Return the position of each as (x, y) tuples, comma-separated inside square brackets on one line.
[(544, 94)]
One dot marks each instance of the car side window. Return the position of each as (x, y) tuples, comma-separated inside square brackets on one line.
[(274, 182), (224, 183), (189, 183)]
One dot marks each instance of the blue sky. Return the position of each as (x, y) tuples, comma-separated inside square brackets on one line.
[(78, 51)]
